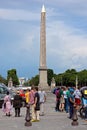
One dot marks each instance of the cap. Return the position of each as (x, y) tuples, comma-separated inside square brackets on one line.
[(71, 90)]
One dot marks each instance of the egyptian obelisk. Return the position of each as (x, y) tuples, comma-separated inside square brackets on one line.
[(43, 68)]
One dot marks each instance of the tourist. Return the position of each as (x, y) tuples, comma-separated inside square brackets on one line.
[(57, 93), (66, 95), (7, 107), (32, 96), (71, 102), (37, 105), (62, 102), (27, 96), (17, 104), (77, 95), (42, 94)]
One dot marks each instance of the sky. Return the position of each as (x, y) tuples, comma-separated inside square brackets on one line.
[(66, 36)]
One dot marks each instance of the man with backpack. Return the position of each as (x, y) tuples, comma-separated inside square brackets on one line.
[(57, 93), (62, 101)]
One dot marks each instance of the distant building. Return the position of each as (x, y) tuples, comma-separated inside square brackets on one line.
[(22, 80)]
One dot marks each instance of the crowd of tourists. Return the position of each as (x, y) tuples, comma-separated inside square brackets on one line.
[(34, 97), (68, 98)]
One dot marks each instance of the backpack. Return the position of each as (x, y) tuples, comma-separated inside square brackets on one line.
[(54, 90), (58, 95)]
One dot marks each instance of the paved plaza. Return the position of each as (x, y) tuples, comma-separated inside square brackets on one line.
[(50, 121)]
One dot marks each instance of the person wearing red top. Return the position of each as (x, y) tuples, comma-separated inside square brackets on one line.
[(22, 94)]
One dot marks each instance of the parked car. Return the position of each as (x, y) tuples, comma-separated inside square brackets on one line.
[(3, 91)]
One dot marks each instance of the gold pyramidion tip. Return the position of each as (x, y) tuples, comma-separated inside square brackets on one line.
[(43, 9)]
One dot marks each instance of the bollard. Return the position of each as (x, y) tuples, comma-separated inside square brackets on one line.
[(74, 117), (28, 117)]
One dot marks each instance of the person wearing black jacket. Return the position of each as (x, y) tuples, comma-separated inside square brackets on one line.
[(17, 104)]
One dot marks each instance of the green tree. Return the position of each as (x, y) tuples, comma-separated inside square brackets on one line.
[(69, 77), (50, 75), (82, 78), (13, 74), (72, 71), (3, 80), (58, 79), (34, 80)]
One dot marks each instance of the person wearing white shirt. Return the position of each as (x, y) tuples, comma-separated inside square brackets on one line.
[(42, 100), (77, 95)]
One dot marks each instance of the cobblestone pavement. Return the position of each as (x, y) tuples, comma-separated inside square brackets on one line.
[(50, 121)]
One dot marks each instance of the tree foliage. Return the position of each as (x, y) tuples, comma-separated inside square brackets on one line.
[(3, 80), (82, 77), (68, 78), (50, 75), (34, 81), (13, 74)]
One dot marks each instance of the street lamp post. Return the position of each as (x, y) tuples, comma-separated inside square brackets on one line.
[(28, 117), (76, 82), (74, 118)]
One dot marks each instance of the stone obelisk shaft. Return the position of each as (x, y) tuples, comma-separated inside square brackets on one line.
[(43, 67)]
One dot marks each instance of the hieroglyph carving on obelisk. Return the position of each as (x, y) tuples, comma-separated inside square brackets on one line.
[(43, 68)]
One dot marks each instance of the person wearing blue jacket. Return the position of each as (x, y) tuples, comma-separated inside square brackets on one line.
[(71, 102)]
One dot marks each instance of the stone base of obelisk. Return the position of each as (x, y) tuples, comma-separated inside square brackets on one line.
[(44, 87)]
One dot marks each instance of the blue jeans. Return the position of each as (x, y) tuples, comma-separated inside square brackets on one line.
[(70, 110), (66, 105)]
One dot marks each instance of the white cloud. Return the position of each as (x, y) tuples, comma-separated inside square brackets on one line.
[(67, 44), (15, 14)]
